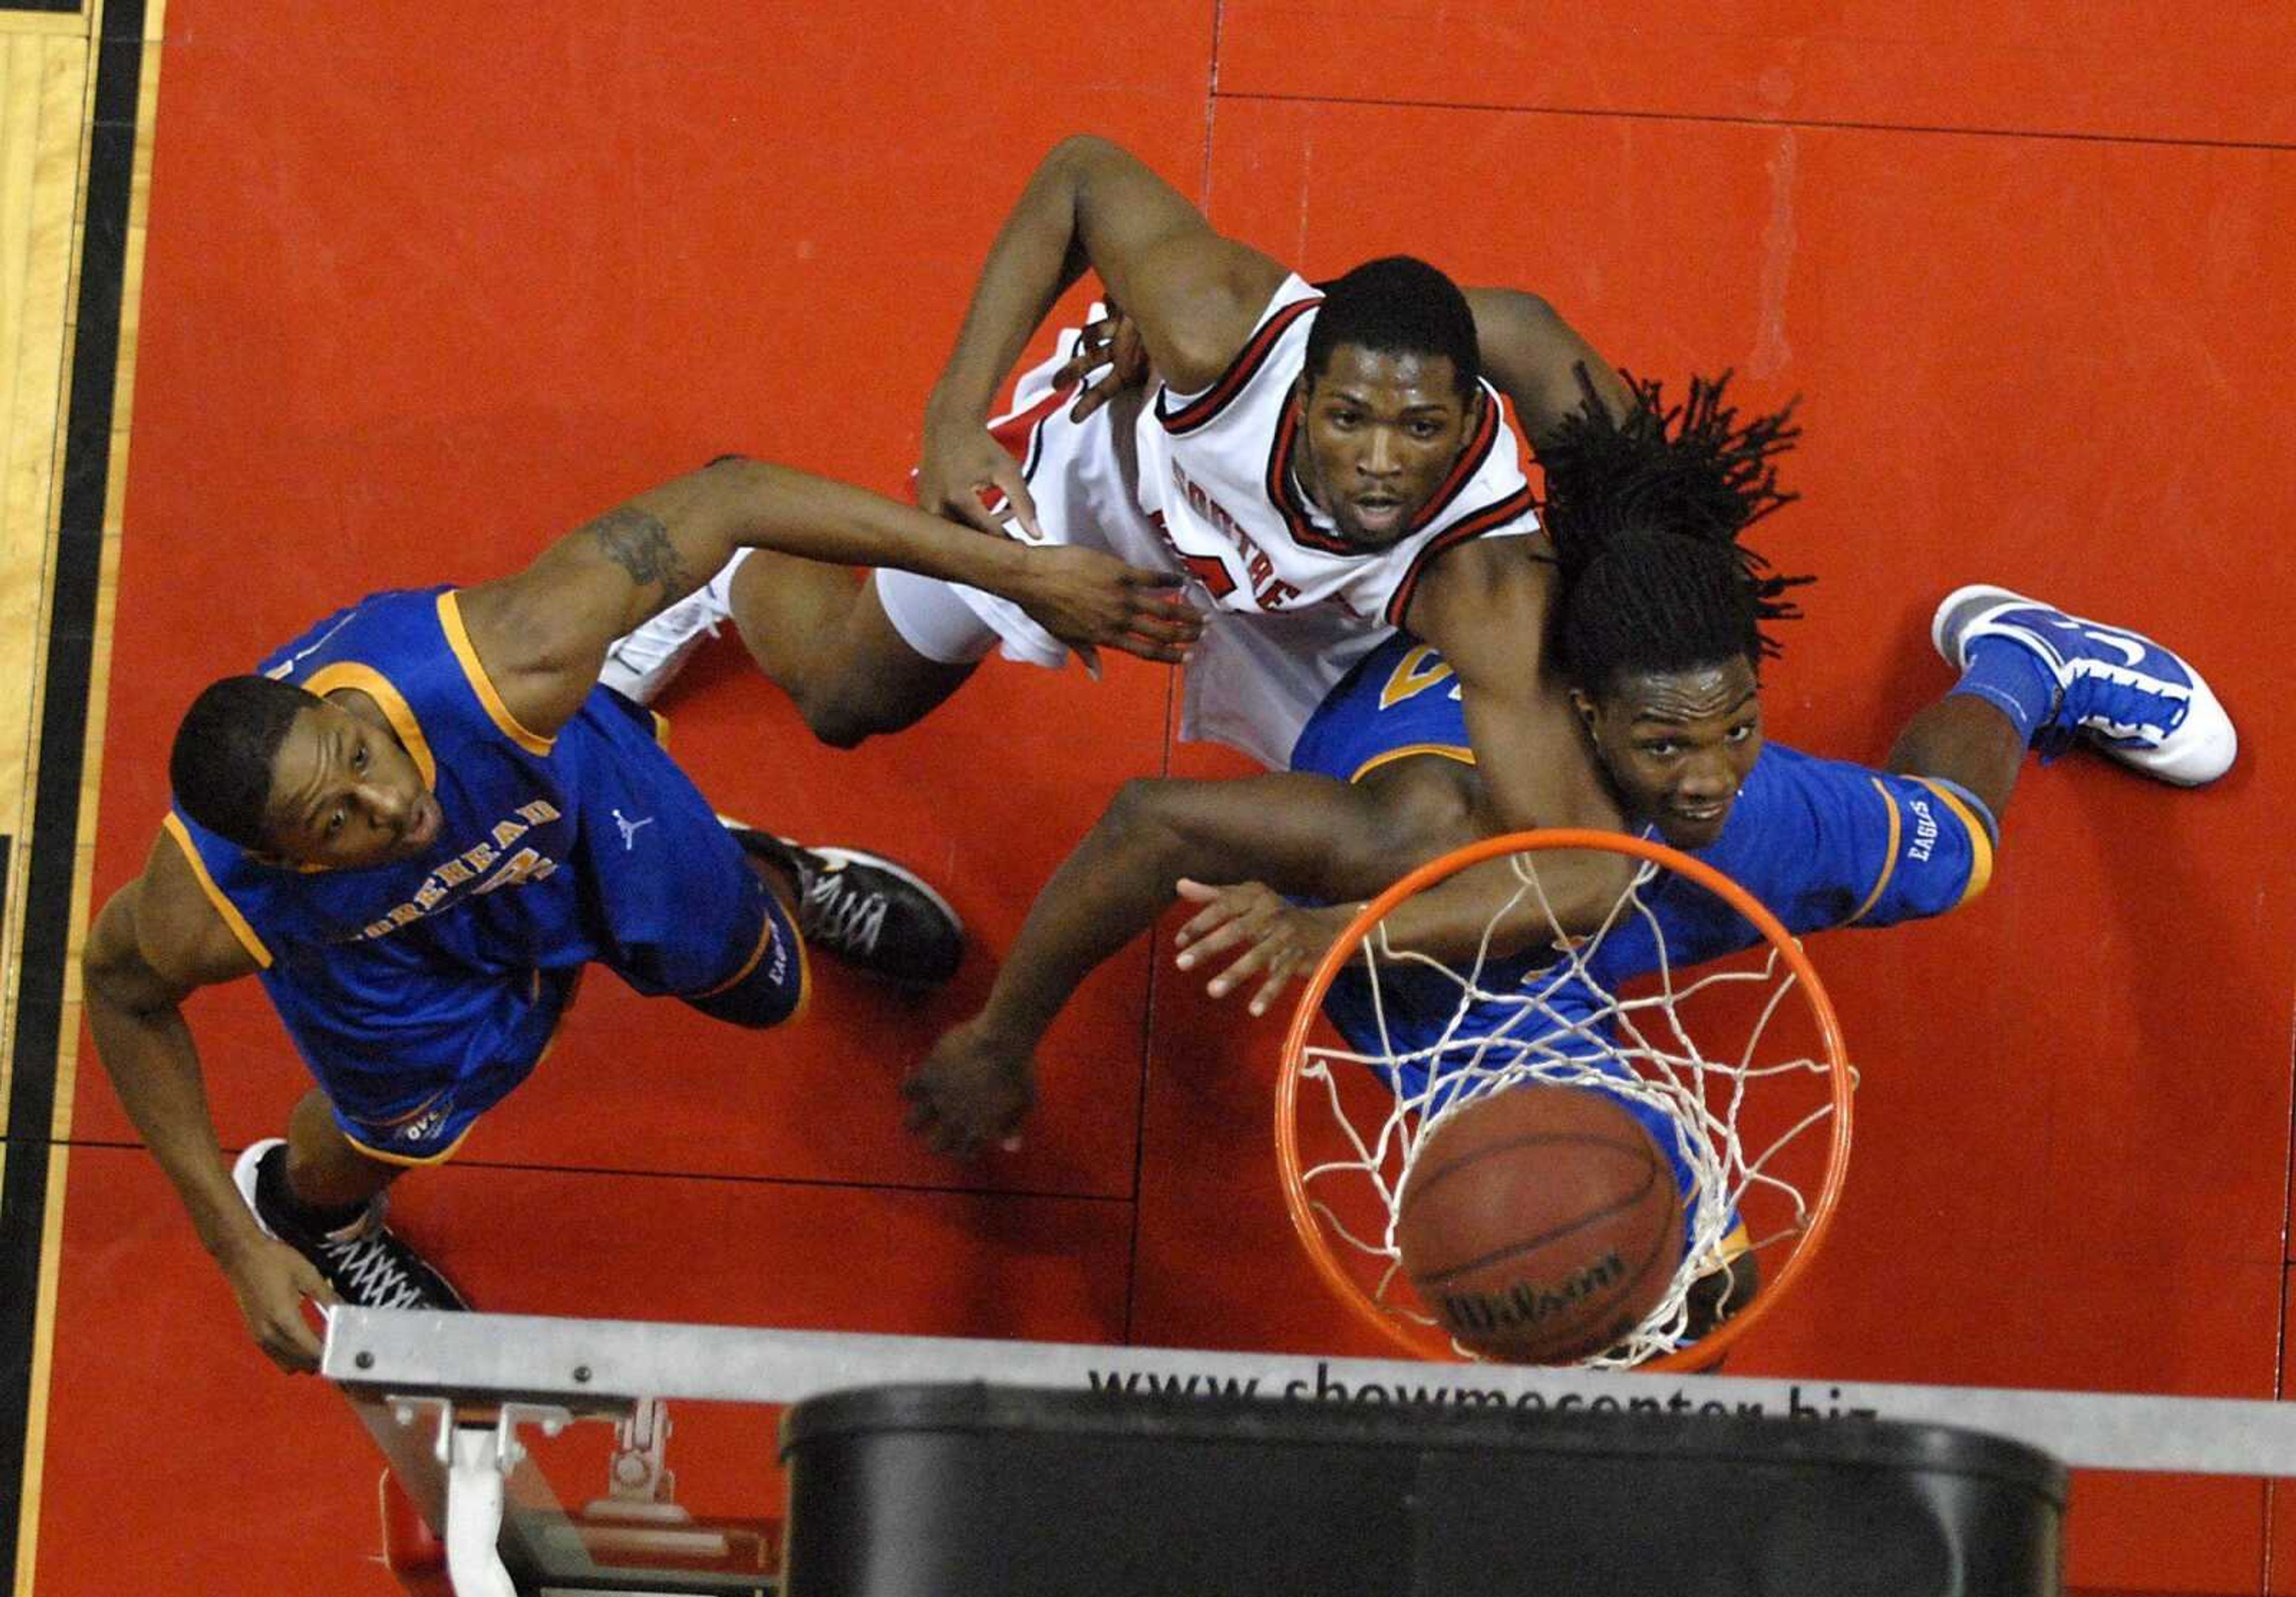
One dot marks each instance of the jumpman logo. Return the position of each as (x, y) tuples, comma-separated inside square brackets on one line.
[(631, 829)]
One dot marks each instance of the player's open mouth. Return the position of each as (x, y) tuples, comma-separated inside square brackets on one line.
[(1379, 514), (1706, 816)]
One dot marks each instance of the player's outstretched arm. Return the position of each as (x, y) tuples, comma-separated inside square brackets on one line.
[(1310, 835), (1532, 356), (542, 634), (1194, 295), (156, 941), (1246, 932), (1485, 606)]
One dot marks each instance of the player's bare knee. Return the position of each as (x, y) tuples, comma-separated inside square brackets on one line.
[(324, 1167), (1136, 808), (1146, 814), (843, 719), (835, 724)]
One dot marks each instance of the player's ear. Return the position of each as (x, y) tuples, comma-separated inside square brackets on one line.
[(267, 852), (269, 856), (1585, 706)]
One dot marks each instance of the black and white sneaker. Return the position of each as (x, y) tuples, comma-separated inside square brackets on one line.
[(866, 909), (366, 1263)]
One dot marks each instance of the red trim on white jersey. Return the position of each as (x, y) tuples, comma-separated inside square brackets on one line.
[(1471, 525), (1239, 374), (1019, 432)]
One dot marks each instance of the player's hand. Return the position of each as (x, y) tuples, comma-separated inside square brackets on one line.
[(1258, 934), (1088, 599), (1111, 348), (973, 1088), (966, 477), (271, 1282)]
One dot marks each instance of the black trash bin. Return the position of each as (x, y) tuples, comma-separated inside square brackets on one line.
[(958, 1490)]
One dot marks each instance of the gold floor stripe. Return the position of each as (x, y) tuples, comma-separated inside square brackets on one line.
[(45, 94), (44, 1351), (45, 24)]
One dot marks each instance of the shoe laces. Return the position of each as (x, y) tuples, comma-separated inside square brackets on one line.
[(841, 916), (369, 1271), (2118, 704)]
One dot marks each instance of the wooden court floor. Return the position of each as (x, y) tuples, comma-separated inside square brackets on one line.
[(420, 290), (75, 86)]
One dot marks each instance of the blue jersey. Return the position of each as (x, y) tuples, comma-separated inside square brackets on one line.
[(1821, 843), (553, 852)]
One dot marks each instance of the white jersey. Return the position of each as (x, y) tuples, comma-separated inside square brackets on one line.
[(1202, 486)]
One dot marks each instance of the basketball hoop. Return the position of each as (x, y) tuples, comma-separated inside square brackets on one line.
[(1758, 1100)]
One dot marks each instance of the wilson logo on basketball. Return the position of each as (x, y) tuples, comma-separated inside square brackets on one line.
[(1541, 1222), (1527, 1302)]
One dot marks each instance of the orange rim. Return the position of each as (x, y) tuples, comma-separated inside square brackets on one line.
[(1428, 1342)]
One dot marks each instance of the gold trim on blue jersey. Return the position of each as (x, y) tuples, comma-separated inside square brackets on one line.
[(766, 937), (1465, 755), (412, 1115), (1889, 854), (1980, 844), (173, 825), (1408, 680), (411, 1161), (365, 679), (778, 921), (458, 639)]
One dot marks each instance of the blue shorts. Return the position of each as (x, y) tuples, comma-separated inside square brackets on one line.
[(407, 1118)]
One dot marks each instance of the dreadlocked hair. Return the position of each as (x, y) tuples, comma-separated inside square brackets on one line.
[(1646, 514)]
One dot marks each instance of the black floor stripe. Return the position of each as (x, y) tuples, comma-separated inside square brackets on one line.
[(63, 731)]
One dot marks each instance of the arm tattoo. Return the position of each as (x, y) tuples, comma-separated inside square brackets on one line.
[(640, 545)]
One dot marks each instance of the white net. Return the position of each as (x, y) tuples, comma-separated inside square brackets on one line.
[(1727, 1065)]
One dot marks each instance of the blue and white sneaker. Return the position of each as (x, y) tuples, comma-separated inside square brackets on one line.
[(640, 663), (2117, 690)]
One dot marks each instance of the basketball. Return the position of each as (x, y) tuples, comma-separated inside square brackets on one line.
[(1541, 1224)]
